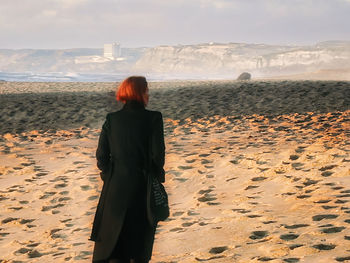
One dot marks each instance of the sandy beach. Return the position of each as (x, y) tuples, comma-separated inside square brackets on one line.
[(256, 171)]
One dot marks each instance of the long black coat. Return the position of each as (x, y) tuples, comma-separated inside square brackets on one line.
[(120, 225)]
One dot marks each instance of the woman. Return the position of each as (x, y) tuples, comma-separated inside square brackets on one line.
[(128, 139)]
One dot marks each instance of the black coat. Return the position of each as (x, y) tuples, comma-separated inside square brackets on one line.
[(120, 225)]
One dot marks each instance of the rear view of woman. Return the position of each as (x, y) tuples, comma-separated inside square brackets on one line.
[(120, 230)]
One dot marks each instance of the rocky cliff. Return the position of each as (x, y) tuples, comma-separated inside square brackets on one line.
[(210, 60), (262, 60)]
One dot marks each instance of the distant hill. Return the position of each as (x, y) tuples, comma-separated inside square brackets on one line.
[(208, 60), (66, 60)]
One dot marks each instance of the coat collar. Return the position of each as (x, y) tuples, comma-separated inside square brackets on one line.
[(133, 105)]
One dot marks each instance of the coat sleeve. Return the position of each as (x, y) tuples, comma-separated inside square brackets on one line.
[(103, 150), (158, 146)]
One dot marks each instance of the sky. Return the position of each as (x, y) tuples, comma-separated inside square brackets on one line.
[(61, 24)]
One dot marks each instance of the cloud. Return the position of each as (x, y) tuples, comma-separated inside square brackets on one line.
[(217, 4), (71, 4), (84, 23), (49, 13)]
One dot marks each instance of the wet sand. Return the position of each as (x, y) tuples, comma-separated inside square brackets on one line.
[(256, 171)]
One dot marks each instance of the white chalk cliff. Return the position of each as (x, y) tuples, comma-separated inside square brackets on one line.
[(223, 59), (202, 60)]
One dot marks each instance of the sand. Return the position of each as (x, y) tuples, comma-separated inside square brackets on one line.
[(256, 171)]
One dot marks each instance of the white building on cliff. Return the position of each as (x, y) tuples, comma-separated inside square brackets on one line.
[(112, 51)]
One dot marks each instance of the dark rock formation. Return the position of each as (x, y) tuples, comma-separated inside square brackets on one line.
[(244, 76)]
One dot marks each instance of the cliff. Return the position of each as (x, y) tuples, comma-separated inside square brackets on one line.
[(232, 59), (210, 60)]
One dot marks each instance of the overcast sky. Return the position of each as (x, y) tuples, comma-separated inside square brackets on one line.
[(136, 23)]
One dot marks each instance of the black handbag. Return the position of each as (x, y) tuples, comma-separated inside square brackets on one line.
[(157, 197), (157, 201)]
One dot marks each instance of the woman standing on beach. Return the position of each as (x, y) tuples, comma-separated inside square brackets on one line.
[(120, 230)]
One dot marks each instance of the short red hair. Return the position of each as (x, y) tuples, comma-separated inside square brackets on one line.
[(132, 88)]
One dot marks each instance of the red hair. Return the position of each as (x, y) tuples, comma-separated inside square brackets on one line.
[(132, 88)]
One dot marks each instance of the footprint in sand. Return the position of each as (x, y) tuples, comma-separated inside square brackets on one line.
[(177, 229), (93, 197), (322, 201), (26, 221), (251, 187), (230, 179), (78, 244), (265, 259), (208, 259), (53, 233), (241, 210), (188, 224), (259, 178), (344, 193), (289, 193), (218, 250), (291, 260), (206, 198), (269, 222), (47, 194), (206, 161), (85, 187), (192, 213), (60, 185), (324, 246), (33, 244), (8, 220), (184, 167), (326, 225), (16, 208), (325, 169), (327, 207), (337, 187), (288, 237), (308, 182), (258, 234), (254, 216), (64, 199), (30, 252), (332, 230), (297, 166), (296, 226), (294, 246), (41, 174), (294, 157), (263, 169), (326, 216), (50, 207), (342, 259), (300, 149), (339, 201), (2, 198), (181, 179), (328, 167), (303, 196), (326, 173), (205, 191)]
